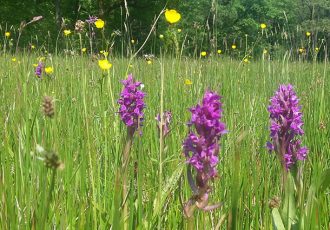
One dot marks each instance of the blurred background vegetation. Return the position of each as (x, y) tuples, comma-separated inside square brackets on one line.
[(206, 25)]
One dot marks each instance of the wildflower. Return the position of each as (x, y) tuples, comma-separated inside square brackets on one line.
[(161, 36), (105, 53), (233, 46), (91, 19), (83, 50), (41, 59), (131, 103), (32, 46), (35, 65), (132, 41), (7, 34), (245, 60), (179, 30), (264, 51), (201, 147), (48, 106), (99, 23), (149, 62), (219, 51), (308, 33), (301, 50), (67, 32), (187, 82), (203, 53), (79, 26), (167, 117), (49, 70), (263, 26), (104, 64), (38, 71), (14, 59), (286, 127), (172, 16), (317, 49)]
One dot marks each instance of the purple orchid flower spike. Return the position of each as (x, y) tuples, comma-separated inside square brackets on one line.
[(201, 148), (286, 127), (131, 103), (39, 69), (167, 117)]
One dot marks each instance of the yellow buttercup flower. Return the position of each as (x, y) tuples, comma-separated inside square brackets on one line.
[(203, 53), (149, 62), (35, 65), (83, 50), (132, 41), (263, 26), (264, 51), (99, 23), (13, 59), (49, 70), (246, 60), (161, 36), (105, 64), (179, 30), (219, 51), (67, 32), (308, 34), (172, 16), (317, 49), (7, 34), (187, 82), (233, 46), (33, 47)]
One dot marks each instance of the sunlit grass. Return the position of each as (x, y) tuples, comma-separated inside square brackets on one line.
[(88, 136)]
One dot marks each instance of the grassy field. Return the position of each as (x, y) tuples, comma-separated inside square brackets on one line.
[(87, 134)]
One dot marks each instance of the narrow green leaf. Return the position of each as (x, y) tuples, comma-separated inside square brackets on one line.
[(277, 220), (325, 181)]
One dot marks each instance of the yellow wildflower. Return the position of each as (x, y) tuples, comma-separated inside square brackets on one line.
[(246, 60), (83, 50), (7, 34), (33, 46), (219, 51), (132, 41), (13, 59), (161, 36), (308, 33), (317, 49), (264, 51), (35, 65), (67, 32), (41, 59), (233, 46), (105, 53), (179, 30), (172, 16), (99, 23), (105, 64), (187, 82), (149, 62), (301, 50), (49, 70), (263, 26), (203, 53)]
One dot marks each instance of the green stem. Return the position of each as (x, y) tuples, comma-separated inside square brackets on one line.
[(49, 199)]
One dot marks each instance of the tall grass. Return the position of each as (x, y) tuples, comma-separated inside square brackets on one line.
[(88, 136)]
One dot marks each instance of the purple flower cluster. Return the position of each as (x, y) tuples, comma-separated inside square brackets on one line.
[(91, 19), (286, 123), (201, 148), (167, 117), (131, 103), (39, 69)]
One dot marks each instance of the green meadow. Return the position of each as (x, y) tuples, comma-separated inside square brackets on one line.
[(87, 135)]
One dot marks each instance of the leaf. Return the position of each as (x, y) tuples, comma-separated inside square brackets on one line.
[(169, 186), (289, 208), (325, 181), (277, 220)]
